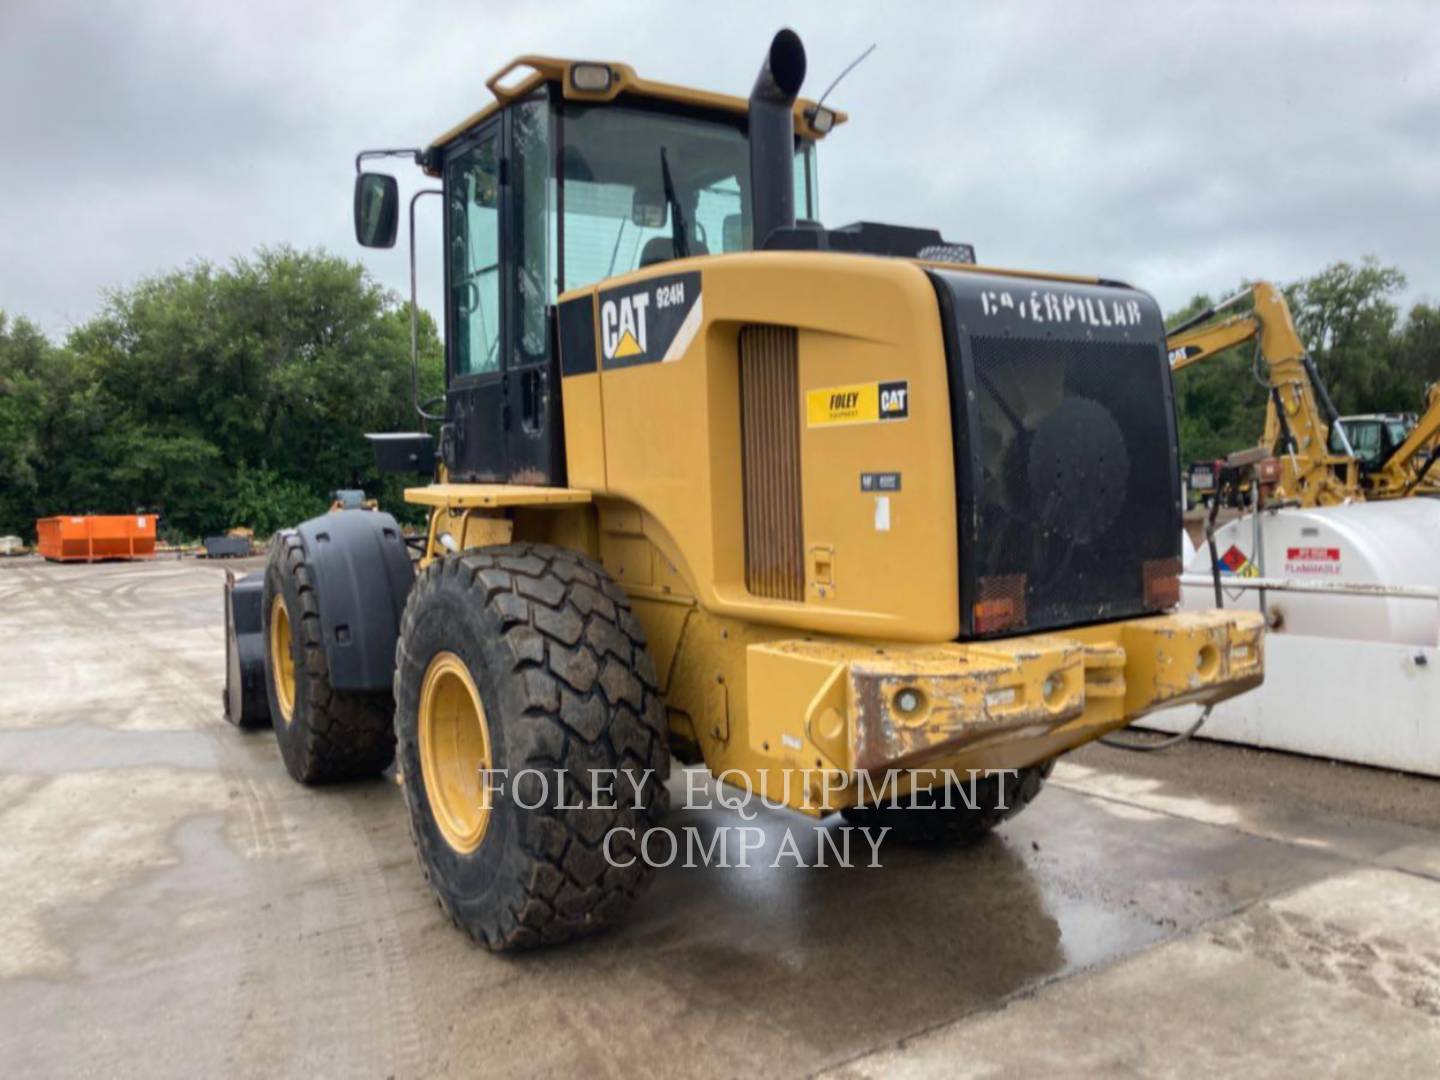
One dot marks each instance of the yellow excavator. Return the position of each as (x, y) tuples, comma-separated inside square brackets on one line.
[(1317, 463)]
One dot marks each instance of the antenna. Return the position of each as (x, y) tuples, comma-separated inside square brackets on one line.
[(848, 68)]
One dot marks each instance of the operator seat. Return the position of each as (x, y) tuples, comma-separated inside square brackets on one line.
[(660, 249)]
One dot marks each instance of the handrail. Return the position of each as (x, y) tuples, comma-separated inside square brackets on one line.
[(1363, 589)]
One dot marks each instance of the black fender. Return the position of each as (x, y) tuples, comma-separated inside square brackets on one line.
[(361, 571), (246, 703)]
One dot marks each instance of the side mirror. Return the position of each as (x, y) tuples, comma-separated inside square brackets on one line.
[(732, 233), (377, 210), (648, 209)]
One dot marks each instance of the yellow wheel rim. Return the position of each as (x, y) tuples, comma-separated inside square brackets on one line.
[(282, 658), (455, 752)]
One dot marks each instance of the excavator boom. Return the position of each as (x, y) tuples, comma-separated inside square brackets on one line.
[(1299, 413), (1204, 342)]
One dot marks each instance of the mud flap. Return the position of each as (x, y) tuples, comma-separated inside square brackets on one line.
[(361, 574)]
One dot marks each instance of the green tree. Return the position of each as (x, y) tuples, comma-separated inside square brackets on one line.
[(1347, 321), (215, 396), (1417, 355), (1219, 403), (266, 501), (23, 359)]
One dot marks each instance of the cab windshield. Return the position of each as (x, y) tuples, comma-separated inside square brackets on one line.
[(596, 209), (1372, 440), (617, 215)]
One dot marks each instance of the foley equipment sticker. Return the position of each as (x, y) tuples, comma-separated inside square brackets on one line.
[(860, 403), (651, 321)]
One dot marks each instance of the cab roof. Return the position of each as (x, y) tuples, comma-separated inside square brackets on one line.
[(526, 74)]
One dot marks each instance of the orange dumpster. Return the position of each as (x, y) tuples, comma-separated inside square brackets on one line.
[(95, 537)]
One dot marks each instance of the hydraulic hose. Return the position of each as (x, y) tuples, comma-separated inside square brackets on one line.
[(1163, 744)]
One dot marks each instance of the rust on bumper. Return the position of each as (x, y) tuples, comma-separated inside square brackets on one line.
[(870, 708)]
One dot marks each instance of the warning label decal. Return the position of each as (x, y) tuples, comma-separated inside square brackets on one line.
[(1313, 560), (1237, 562)]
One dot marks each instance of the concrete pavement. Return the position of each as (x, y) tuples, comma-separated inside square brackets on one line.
[(171, 903)]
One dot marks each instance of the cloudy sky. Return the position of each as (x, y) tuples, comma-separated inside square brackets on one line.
[(1181, 147)]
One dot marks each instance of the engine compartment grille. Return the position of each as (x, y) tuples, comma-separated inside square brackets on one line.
[(770, 462), (1072, 463), (1067, 470)]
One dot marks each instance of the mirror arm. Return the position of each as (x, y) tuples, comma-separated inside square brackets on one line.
[(415, 310), (365, 155)]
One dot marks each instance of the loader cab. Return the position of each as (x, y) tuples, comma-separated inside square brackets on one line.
[(553, 189)]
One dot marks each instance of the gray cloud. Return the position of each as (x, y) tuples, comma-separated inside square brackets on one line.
[(1181, 147)]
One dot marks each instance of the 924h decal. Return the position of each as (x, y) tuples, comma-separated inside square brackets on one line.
[(651, 321)]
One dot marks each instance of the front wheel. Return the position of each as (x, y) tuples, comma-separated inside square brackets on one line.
[(531, 742)]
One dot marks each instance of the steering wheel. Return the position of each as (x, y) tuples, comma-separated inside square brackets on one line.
[(471, 285)]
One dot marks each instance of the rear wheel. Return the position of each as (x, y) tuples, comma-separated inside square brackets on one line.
[(325, 735), (531, 742), (959, 814)]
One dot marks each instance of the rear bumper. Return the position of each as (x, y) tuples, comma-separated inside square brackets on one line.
[(993, 704)]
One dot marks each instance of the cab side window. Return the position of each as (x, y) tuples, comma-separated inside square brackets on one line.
[(534, 282), (472, 186)]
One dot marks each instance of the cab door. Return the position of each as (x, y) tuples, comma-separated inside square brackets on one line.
[(534, 438), (474, 443), (503, 398)]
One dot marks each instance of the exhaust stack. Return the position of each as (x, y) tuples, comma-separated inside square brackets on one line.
[(772, 136)]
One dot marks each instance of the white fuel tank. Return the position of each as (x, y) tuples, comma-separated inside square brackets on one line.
[(1392, 543)]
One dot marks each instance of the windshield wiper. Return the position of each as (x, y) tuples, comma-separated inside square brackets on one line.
[(679, 230)]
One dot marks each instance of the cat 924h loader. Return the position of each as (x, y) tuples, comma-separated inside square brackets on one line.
[(811, 506)]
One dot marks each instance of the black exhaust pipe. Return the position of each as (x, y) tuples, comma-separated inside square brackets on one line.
[(772, 137)]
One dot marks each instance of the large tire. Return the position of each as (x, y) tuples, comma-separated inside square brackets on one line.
[(930, 821), (544, 648), (325, 735)]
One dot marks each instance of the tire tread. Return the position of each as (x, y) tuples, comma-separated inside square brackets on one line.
[(563, 636)]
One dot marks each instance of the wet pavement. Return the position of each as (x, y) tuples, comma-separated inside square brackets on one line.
[(171, 903)]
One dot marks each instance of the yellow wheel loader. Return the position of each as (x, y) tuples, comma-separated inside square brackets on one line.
[(838, 513)]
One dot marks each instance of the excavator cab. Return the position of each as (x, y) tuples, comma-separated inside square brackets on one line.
[(1373, 439)]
